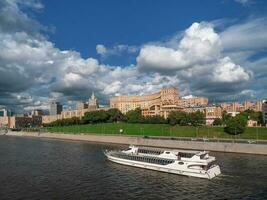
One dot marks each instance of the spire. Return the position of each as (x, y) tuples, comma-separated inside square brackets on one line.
[(93, 95)]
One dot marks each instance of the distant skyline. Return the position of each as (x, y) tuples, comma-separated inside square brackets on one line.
[(65, 50)]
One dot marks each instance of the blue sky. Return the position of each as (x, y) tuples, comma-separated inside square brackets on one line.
[(64, 50), (133, 22)]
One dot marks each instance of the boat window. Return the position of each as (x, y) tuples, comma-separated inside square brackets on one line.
[(203, 156), (180, 163), (185, 154), (167, 152)]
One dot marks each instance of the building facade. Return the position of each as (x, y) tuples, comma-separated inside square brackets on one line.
[(211, 113), (21, 121), (93, 103), (5, 112), (159, 103), (81, 109), (55, 108), (37, 112), (241, 106)]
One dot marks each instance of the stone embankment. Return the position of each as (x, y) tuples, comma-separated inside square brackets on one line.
[(154, 142)]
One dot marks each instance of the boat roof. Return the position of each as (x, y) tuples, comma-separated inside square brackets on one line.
[(197, 152)]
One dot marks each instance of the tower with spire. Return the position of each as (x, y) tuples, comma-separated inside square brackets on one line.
[(93, 103)]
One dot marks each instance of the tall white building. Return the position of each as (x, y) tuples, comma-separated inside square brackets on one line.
[(5, 112), (93, 103), (55, 108)]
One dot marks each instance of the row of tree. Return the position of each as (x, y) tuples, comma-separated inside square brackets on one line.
[(133, 116), (237, 124), (232, 125)]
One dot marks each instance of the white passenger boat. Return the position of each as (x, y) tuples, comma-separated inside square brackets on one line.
[(183, 162)]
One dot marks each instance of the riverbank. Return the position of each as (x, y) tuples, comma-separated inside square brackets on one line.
[(153, 142), (253, 133)]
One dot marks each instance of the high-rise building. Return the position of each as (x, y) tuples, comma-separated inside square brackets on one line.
[(81, 105), (37, 112), (93, 103), (55, 108), (5, 112), (264, 111)]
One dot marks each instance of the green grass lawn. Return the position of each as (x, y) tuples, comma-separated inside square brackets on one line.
[(161, 130)]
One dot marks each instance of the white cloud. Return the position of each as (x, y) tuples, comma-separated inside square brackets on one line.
[(244, 2), (227, 71), (101, 49), (249, 35), (115, 50), (198, 54), (35, 70), (199, 44)]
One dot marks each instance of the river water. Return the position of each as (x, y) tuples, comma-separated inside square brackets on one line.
[(32, 168)]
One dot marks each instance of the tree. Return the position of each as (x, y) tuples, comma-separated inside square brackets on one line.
[(217, 122), (236, 125), (157, 119), (115, 115), (65, 122), (196, 118), (177, 117), (95, 117), (225, 117), (254, 115), (135, 116)]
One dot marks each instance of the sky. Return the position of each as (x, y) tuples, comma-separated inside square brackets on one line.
[(65, 50)]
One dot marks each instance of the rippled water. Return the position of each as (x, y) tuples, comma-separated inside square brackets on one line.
[(52, 169)]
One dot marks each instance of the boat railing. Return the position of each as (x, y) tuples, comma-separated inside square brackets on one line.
[(147, 159)]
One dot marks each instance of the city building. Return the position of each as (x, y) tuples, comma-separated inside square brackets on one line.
[(252, 123), (192, 101), (4, 121), (55, 108), (5, 112), (37, 112), (239, 107), (81, 109), (264, 112), (194, 109), (211, 113), (159, 103), (93, 103), (21, 121), (81, 105)]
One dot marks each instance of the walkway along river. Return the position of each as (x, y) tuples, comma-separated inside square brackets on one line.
[(250, 148)]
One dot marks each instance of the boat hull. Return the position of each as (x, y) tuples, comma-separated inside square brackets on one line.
[(171, 168)]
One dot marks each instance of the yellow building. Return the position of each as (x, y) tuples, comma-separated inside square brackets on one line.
[(159, 103), (212, 113), (242, 106), (81, 109), (21, 121)]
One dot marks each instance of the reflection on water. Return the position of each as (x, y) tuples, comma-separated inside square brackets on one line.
[(50, 169)]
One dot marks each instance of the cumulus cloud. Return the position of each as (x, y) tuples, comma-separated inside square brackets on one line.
[(199, 44), (115, 50), (33, 71), (197, 53), (227, 71), (101, 49)]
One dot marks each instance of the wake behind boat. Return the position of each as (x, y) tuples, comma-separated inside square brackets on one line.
[(183, 162)]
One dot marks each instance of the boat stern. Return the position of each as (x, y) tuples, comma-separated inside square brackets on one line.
[(214, 171)]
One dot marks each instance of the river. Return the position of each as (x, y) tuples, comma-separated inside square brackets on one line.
[(32, 168)]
